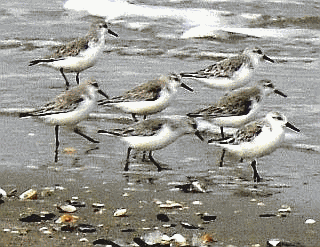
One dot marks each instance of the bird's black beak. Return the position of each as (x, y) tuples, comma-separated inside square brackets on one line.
[(197, 133), (103, 93), (289, 125), (112, 33), (280, 93), (268, 58), (186, 87)]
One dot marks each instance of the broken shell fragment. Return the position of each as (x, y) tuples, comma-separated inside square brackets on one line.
[(3, 193), (179, 239), (122, 212), (67, 219), (310, 221), (30, 194), (97, 205)]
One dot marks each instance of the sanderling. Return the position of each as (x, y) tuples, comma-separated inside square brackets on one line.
[(154, 134), (256, 139), (237, 107), (69, 108), (148, 98), (230, 73), (79, 54)]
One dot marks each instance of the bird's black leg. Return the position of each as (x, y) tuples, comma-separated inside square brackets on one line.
[(57, 143), (134, 117), (222, 157), (154, 162), (77, 78), (77, 131), (65, 78), (222, 134), (126, 167), (256, 177)]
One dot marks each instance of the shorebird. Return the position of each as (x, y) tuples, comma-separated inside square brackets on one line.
[(237, 107), (148, 98), (153, 134), (230, 73), (69, 108), (79, 54), (256, 139)]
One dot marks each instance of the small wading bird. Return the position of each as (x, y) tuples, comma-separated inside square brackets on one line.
[(79, 54), (230, 73), (237, 107), (69, 108), (153, 134), (148, 98), (256, 139)]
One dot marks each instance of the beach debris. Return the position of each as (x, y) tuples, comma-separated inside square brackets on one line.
[(179, 239), (76, 203), (30, 194), (67, 208), (86, 228), (170, 204), (66, 218), (12, 193), (189, 226), (277, 242), (310, 221), (69, 150), (284, 209), (45, 230), (121, 212), (207, 217), (105, 242), (202, 240), (67, 228), (47, 191), (98, 205), (267, 215), (3, 193), (83, 240), (163, 217), (192, 187), (128, 230), (197, 203)]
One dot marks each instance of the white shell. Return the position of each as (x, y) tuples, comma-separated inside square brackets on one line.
[(3, 193), (28, 195), (67, 208), (310, 221), (120, 212), (179, 239)]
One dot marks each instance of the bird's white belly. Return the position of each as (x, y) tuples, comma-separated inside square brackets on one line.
[(149, 143), (262, 145), (235, 121), (145, 107), (77, 63), (239, 79), (71, 118)]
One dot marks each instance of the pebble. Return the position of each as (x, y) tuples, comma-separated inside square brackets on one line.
[(86, 228), (188, 226), (163, 217), (83, 240), (277, 242), (97, 205), (76, 203), (105, 242)]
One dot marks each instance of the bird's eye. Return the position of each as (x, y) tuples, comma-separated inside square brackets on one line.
[(95, 84), (194, 126), (259, 51)]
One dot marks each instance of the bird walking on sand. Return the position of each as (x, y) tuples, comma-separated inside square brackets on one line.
[(69, 108), (230, 73), (153, 134), (79, 54), (256, 139), (148, 98), (237, 107)]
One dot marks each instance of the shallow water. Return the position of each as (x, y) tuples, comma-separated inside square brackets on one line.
[(155, 39)]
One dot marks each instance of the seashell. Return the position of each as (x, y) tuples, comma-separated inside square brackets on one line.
[(97, 205), (310, 221), (120, 212), (67, 219), (83, 240), (188, 226), (179, 239), (86, 228), (67, 208), (30, 194)]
